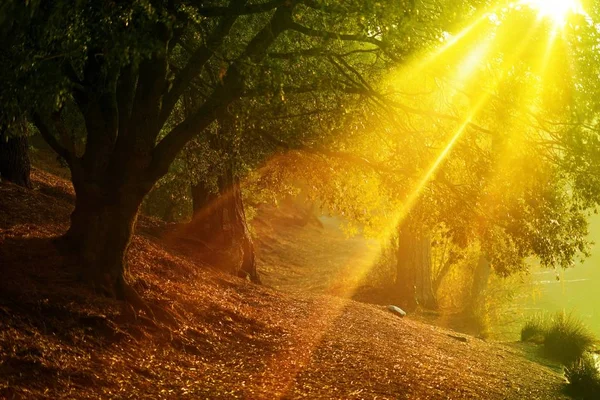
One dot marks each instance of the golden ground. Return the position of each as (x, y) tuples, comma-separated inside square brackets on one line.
[(227, 338), (310, 258)]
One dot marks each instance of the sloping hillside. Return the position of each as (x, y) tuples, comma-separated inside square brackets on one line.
[(215, 336), (315, 257)]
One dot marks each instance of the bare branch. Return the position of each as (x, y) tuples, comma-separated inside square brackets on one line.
[(231, 89), (320, 150), (197, 61), (327, 35), (328, 8), (246, 10), (317, 51)]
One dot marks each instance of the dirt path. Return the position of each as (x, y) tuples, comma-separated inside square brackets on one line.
[(312, 258)]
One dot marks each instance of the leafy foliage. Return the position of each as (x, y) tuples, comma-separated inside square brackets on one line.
[(354, 102)]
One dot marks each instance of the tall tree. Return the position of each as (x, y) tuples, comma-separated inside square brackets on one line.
[(126, 66), (15, 165)]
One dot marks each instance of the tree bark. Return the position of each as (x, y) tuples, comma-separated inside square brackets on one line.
[(169, 213), (449, 259), (207, 213), (413, 273), (425, 295), (220, 219), (15, 165), (106, 209), (239, 230), (479, 286), (102, 225), (475, 311)]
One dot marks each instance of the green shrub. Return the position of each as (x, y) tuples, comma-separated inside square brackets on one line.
[(535, 329), (583, 378), (564, 336), (567, 338)]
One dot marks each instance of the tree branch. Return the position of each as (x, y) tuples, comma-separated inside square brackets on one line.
[(316, 52), (246, 10), (327, 35), (46, 133), (231, 89), (328, 8), (198, 59), (320, 150)]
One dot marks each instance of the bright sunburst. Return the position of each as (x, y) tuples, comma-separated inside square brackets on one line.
[(557, 10)]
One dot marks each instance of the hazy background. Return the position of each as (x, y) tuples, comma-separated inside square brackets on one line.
[(577, 291)]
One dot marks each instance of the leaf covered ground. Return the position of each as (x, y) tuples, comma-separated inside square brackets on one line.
[(226, 339)]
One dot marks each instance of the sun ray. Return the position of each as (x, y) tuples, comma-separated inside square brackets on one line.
[(453, 41), (556, 10), (509, 60), (464, 74), (478, 106)]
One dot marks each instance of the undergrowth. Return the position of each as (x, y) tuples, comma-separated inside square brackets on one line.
[(565, 337), (535, 328), (583, 378)]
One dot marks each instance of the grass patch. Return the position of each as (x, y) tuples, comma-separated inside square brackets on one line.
[(564, 336), (567, 338), (535, 329), (583, 378)]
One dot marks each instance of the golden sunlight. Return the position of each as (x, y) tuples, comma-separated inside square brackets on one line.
[(557, 10)]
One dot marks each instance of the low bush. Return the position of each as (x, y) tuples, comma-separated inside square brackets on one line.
[(564, 336), (567, 338), (583, 378), (535, 329)]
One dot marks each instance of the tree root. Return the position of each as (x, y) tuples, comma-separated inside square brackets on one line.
[(156, 313)]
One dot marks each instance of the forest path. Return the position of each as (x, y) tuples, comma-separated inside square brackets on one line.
[(311, 258)]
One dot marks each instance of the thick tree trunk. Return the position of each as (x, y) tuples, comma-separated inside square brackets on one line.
[(102, 225), (413, 274), (310, 217), (220, 220), (124, 110), (449, 260), (475, 311), (169, 213), (437, 282), (15, 166), (207, 213), (479, 286), (425, 295), (241, 233)]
